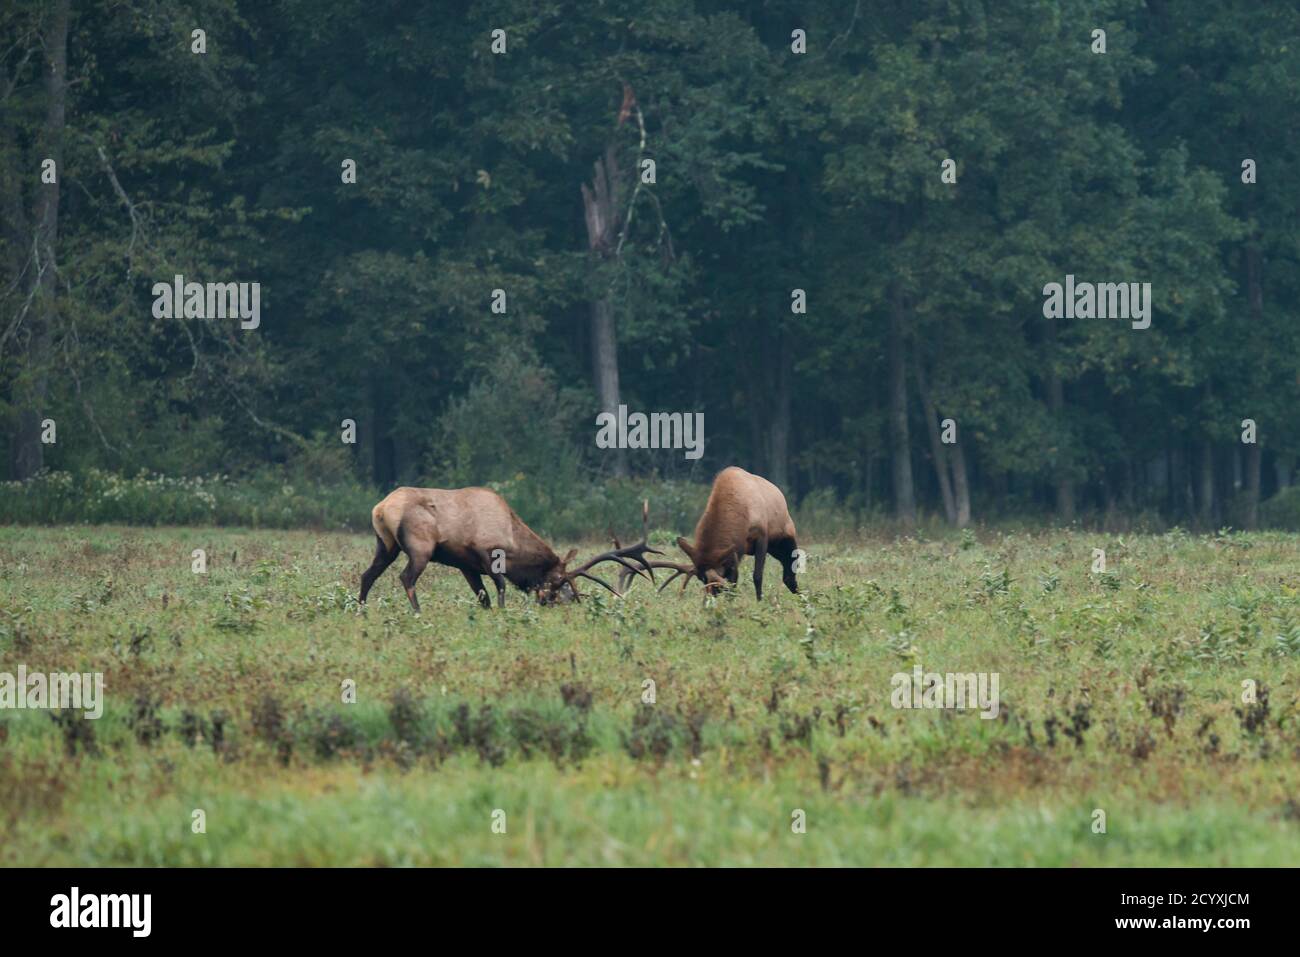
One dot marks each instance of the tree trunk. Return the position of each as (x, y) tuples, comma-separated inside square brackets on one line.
[(14, 184), (937, 452), (601, 210), (1282, 467), (1255, 294), (757, 437), (900, 443), (383, 465), (779, 431), (1250, 516), (869, 481), (960, 484), (781, 361), (14, 178), (604, 367), (1108, 500), (1205, 493), (27, 454), (1056, 405), (1172, 473)]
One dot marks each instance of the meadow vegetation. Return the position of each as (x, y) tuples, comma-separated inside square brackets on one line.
[(1120, 691)]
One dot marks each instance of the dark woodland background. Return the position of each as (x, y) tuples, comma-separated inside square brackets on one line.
[(774, 171)]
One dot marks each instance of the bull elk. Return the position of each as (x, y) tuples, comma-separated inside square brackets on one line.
[(476, 531), (745, 515)]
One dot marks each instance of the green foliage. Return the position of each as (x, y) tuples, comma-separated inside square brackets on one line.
[(774, 171), (512, 431), (222, 692), (1282, 510), (261, 501)]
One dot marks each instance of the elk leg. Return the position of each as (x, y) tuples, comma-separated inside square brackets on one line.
[(784, 552), (411, 574), (476, 583), (760, 556), (418, 538), (489, 561), (384, 556)]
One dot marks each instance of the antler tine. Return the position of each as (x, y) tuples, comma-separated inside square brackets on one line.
[(598, 581), (620, 554), (679, 568), (641, 549), (671, 578)]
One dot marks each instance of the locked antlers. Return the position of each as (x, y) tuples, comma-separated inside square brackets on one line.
[(621, 555), (678, 568)]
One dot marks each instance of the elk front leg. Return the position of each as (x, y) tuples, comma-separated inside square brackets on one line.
[(476, 583), (760, 557), (492, 561), (784, 552), (733, 567)]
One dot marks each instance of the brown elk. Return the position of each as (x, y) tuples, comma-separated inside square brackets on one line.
[(745, 515), (475, 531)]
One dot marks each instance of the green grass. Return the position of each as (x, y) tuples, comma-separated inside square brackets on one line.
[(1120, 692)]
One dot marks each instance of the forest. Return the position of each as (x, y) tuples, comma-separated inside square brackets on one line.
[(974, 261)]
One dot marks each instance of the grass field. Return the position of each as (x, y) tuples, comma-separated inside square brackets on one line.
[(1120, 692)]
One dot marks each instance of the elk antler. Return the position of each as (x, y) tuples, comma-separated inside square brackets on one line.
[(639, 551), (679, 568), (621, 554)]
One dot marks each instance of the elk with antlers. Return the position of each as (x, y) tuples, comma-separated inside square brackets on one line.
[(745, 515), (475, 531)]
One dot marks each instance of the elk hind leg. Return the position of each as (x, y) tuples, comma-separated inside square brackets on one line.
[(418, 540), (384, 556), (415, 565)]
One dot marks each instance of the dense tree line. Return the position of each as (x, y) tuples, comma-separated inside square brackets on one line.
[(744, 209)]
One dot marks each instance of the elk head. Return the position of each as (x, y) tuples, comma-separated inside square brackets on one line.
[(713, 578), (560, 585), (556, 585)]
